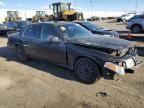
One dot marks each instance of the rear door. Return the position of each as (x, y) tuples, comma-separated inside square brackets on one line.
[(51, 51), (30, 39)]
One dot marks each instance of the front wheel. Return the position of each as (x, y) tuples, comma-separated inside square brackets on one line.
[(21, 55), (86, 70)]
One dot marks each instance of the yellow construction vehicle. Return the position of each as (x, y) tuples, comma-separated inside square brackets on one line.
[(63, 12), (41, 16), (12, 16)]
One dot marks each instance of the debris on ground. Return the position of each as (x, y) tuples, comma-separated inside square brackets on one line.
[(103, 94)]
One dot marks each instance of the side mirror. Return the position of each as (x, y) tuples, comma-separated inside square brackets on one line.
[(54, 39)]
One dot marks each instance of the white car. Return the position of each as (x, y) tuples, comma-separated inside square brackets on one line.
[(125, 17), (136, 24)]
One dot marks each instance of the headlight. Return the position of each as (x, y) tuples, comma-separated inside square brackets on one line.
[(115, 68)]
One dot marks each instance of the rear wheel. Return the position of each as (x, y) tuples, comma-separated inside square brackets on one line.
[(136, 29), (21, 55), (86, 70)]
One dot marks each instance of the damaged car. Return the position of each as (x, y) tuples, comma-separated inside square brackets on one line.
[(71, 45)]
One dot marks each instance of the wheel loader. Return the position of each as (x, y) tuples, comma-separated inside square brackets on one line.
[(63, 12), (12, 16)]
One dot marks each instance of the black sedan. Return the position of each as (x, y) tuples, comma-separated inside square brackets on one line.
[(71, 45), (96, 29), (15, 26), (3, 29)]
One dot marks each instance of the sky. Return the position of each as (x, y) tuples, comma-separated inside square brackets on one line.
[(100, 5)]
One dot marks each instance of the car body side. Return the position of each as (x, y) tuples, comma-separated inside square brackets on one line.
[(72, 51), (135, 21), (65, 52)]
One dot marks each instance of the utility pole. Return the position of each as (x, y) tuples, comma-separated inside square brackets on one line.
[(75, 5), (136, 6), (91, 5)]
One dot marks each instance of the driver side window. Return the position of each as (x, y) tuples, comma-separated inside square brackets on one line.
[(48, 31)]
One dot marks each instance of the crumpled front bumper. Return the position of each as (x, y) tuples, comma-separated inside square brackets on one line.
[(129, 62)]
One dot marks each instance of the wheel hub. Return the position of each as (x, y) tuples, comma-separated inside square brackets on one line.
[(85, 71)]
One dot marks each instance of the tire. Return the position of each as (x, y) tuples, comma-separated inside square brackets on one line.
[(20, 53), (118, 20), (136, 29), (86, 70)]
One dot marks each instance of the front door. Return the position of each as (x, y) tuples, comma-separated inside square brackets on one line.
[(52, 51)]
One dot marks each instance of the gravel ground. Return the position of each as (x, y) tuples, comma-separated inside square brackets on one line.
[(36, 84)]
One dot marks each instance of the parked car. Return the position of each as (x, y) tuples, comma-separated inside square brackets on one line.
[(94, 18), (136, 24), (14, 26), (125, 17), (71, 45), (119, 19), (3, 29), (96, 29)]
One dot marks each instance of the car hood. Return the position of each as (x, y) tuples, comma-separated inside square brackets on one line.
[(104, 31), (102, 42)]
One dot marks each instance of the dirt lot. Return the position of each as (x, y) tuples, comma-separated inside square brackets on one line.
[(40, 85)]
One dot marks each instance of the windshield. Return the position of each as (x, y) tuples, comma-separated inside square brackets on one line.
[(74, 31), (91, 26), (137, 16)]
